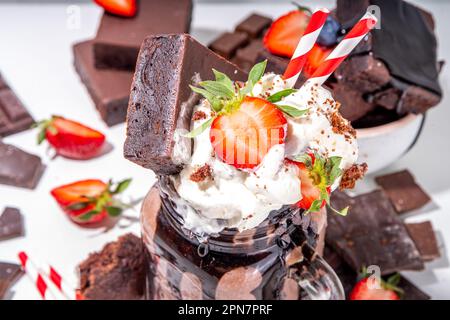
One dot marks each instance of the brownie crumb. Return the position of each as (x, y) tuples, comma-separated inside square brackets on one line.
[(198, 115), (351, 175), (341, 126), (201, 173)]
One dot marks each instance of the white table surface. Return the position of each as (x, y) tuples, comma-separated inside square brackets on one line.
[(36, 60)]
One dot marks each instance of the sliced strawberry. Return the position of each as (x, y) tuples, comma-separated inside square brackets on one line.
[(285, 32), (124, 8), (71, 139), (315, 58), (89, 201), (366, 290), (243, 137)]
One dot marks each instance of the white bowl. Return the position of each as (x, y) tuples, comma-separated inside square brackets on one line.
[(382, 145)]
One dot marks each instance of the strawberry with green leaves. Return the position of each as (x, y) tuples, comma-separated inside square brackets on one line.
[(317, 175), (373, 288), (91, 201), (70, 139), (243, 127)]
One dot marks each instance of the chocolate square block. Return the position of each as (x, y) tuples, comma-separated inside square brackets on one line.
[(227, 43), (119, 39), (425, 239), (353, 105), (418, 100), (161, 101), (254, 25), (247, 57), (11, 224), (363, 73), (387, 98), (403, 191), (109, 89), (14, 117), (371, 234), (9, 274), (19, 168)]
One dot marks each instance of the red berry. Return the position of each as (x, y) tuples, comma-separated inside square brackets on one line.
[(124, 8), (364, 290)]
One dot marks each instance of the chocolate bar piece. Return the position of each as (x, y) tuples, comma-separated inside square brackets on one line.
[(9, 274), (254, 25), (227, 43), (161, 101), (109, 89), (387, 98), (363, 73), (11, 224), (403, 191), (353, 105), (371, 234), (423, 235), (348, 12), (418, 100), (19, 168), (410, 291), (247, 57), (13, 115), (119, 39), (115, 273)]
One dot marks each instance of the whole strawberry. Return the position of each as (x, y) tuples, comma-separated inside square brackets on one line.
[(123, 8), (371, 288), (90, 201), (71, 139)]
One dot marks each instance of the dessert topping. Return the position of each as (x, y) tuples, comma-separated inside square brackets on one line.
[(202, 173), (351, 175)]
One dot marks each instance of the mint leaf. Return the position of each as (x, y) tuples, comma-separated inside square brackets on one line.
[(224, 79), (114, 211), (196, 131), (122, 186), (292, 111), (218, 89), (276, 97)]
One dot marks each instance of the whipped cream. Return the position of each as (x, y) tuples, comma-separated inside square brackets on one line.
[(233, 198)]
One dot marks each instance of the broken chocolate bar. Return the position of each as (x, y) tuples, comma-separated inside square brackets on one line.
[(404, 193), (19, 168), (228, 43), (13, 115), (119, 39), (423, 235), (9, 274), (109, 89), (247, 56), (115, 273), (353, 105), (254, 25), (410, 291), (161, 101), (371, 234), (11, 224)]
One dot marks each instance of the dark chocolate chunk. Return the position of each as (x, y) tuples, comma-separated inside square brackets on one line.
[(363, 73), (109, 89), (115, 273), (227, 43), (353, 105), (407, 44), (11, 224), (275, 64), (425, 239), (9, 274), (410, 291), (119, 39), (417, 100), (348, 12), (376, 117), (19, 168), (247, 57), (403, 191), (161, 101), (371, 234), (387, 98), (254, 25), (13, 115)]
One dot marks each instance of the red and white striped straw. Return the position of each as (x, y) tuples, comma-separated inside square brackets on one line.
[(305, 45), (68, 291), (343, 49), (34, 275)]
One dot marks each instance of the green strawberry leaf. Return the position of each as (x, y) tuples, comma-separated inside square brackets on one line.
[(292, 111), (197, 131), (122, 186), (333, 169), (305, 159), (78, 206), (114, 211), (276, 97), (302, 8), (41, 136), (224, 79), (315, 206), (342, 212), (218, 89), (254, 76), (88, 215)]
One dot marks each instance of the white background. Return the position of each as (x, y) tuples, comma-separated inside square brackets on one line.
[(36, 60)]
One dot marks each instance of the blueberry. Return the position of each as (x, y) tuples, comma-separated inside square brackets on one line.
[(329, 34)]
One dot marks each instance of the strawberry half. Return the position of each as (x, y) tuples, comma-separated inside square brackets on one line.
[(90, 201), (243, 137), (285, 32), (124, 8), (315, 58), (376, 289), (317, 175), (71, 139)]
